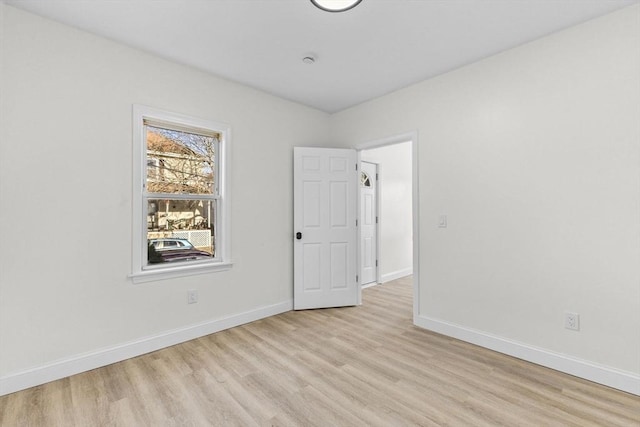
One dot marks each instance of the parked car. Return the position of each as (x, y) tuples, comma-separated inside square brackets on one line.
[(168, 243), (171, 249)]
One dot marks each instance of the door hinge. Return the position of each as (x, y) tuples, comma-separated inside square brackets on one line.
[(376, 176), (376, 220), (356, 222), (356, 277), (376, 263), (356, 166)]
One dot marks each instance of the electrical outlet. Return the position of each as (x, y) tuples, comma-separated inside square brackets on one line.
[(192, 296), (572, 321)]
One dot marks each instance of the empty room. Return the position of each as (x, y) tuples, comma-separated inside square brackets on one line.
[(320, 212)]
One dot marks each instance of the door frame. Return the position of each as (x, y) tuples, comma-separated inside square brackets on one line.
[(378, 211), (412, 138)]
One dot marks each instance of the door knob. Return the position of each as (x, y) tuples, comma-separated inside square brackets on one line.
[(298, 235)]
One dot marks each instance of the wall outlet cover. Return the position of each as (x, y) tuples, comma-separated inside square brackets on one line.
[(572, 321), (192, 296)]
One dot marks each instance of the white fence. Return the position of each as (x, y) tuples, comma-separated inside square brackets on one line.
[(198, 238)]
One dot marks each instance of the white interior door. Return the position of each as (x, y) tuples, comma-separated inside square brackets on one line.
[(325, 191), (368, 223)]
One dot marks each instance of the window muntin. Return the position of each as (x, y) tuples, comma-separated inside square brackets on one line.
[(180, 196)]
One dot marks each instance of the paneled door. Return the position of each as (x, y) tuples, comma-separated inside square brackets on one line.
[(368, 223), (325, 191)]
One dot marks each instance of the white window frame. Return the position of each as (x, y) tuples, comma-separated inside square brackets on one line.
[(141, 271)]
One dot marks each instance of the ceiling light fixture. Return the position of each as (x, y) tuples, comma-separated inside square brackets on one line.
[(335, 5)]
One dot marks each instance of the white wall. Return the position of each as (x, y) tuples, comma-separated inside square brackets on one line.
[(65, 196), (534, 156), (396, 233)]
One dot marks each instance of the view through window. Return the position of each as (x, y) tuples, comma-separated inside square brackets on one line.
[(181, 194)]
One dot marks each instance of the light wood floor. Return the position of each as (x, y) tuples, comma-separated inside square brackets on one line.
[(357, 366)]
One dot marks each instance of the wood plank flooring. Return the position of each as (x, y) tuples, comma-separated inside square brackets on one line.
[(356, 366)]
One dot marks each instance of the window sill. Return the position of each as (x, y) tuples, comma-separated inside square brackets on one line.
[(178, 271)]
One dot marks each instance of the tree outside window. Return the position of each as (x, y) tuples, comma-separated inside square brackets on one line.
[(181, 189)]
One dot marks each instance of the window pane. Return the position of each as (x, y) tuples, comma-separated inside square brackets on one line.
[(365, 181), (180, 230), (180, 162)]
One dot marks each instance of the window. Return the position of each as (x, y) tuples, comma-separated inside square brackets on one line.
[(365, 181), (180, 219)]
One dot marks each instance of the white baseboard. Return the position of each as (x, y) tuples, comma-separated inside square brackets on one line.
[(396, 275), (621, 380), (370, 285), (85, 362)]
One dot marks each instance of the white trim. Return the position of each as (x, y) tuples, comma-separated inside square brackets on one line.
[(369, 285), (618, 379), (411, 137), (179, 271), (378, 223), (358, 228), (85, 362), (415, 200), (139, 271), (396, 275)]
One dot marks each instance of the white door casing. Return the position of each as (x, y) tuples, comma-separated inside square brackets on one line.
[(368, 223), (325, 237)]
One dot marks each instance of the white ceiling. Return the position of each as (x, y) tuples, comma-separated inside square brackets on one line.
[(374, 49)]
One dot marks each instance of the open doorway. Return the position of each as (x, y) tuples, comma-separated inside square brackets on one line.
[(395, 247)]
